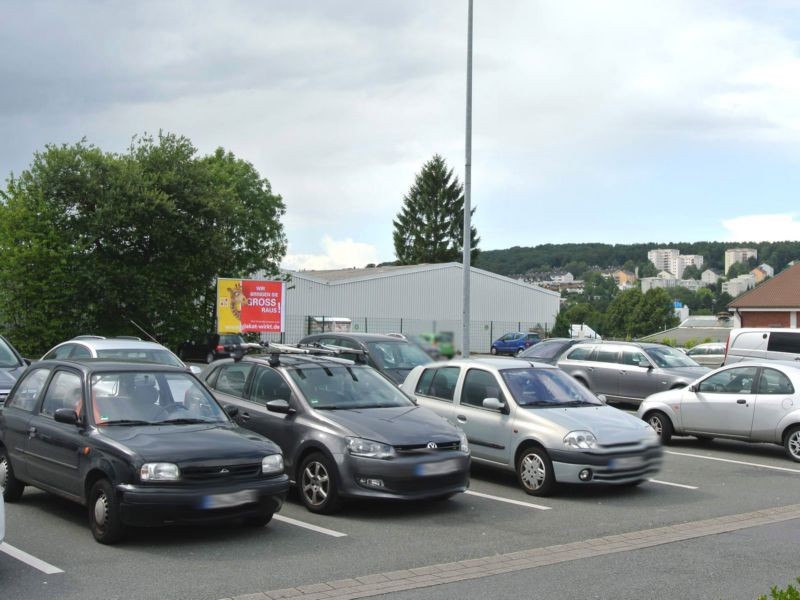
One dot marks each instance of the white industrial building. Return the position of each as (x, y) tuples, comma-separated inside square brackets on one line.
[(416, 299)]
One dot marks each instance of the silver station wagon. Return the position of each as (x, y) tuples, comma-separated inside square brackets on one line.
[(534, 419)]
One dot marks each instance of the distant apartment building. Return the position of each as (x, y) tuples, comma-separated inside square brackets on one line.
[(649, 283), (737, 255), (670, 259), (739, 285), (565, 278), (762, 272), (624, 279), (709, 277)]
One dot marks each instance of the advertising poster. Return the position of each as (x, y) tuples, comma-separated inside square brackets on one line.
[(250, 305)]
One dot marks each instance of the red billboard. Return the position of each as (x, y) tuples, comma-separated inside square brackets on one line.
[(250, 305)]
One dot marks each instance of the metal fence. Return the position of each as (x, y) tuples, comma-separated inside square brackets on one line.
[(482, 333)]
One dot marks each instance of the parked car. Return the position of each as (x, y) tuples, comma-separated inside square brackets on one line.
[(514, 343), (137, 445), (346, 431), (629, 371), (709, 355), (762, 344), (2, 519), (392, 356), (756, 401), (11, 367), (214, 346), (443, 342), (116, 348), (538, 422), (418, 340), (550, 350)]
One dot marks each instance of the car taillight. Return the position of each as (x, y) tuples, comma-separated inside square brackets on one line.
[(220, 348)]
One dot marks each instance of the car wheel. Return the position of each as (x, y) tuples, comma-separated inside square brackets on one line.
[(535, 471), (10, 486), (493, 350), (661, 423), (520, 351), (209, 357), (318, 485), (792, 444), (260, 520), (104, 516)]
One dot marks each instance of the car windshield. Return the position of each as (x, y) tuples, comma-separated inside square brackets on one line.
[(152, 398), (7, 357), (547, 388), (397, 355), (345, 387), (545, 350), (666, 357), (159, 357)]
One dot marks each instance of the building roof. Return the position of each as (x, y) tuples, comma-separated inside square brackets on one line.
[(782, 291)]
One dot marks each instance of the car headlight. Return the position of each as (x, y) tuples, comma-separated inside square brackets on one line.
[(159, 472), (464, 447), (272, 464), (580, 440), (368, 448)]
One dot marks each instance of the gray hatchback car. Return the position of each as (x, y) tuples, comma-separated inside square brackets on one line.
[(345, 429), (629, 371)]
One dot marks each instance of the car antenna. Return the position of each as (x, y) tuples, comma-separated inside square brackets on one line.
[(143, 330)]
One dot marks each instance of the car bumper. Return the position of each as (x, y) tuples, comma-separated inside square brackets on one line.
[(145, 505), (426, 475), (618, 468)]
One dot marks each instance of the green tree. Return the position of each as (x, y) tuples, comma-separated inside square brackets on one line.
[(430, 226), (739, 268), (691, 272), (91, 241)]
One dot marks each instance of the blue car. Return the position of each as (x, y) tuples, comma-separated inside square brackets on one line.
[(514, 343)]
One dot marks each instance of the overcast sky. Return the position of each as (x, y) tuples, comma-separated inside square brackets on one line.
[(594, 121)]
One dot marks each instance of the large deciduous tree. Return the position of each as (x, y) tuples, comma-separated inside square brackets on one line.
[(92, 242), (430, 226)]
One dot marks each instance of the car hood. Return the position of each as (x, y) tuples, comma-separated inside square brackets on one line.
[(609, 425), (183, 444), (8, 377), (688, 373), (399, 426)]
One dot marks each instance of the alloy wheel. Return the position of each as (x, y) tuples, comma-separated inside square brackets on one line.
[(792, 444), (3, 473), (655, 423), (315, 483), (533, 471)]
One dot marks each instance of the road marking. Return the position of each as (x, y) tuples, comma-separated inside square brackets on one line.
[(508, 500), (736, 462), (305, 525), (29, 560), (680, 485)]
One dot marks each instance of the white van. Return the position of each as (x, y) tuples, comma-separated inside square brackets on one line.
[(755, 343)]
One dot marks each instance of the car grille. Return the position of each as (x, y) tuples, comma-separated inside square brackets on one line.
[(419, 448), (219, 473), (411, 485), (650, 463)]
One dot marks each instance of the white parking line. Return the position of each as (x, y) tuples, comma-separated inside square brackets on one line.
[(305, 525), (736, 462), (29, 560), (507, 500), (680, 485)]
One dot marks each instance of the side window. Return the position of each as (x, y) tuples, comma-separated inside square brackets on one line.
[(774, 382), (80, 351), (696, 351), (269, 385), (27, 393), (782, 341), (64, 391), (232, 378), (606, 355), (444, 381), (730, 381), (632, 357), (424, 383), (479, 385), (60, 352), (581, 353)]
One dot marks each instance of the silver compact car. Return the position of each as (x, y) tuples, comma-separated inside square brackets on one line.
[(750, 401), (534, 419), (345, 429), (709, 355), (629, 371)]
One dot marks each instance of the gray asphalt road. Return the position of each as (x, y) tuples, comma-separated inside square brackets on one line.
[(220, 562)]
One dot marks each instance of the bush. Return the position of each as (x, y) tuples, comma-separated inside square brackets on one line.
[(790, 593), (690, 343)]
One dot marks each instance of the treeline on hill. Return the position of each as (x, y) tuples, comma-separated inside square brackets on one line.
[(578, 258)]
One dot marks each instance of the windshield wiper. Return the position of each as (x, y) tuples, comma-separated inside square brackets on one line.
[(185, 421), (126, 422), (579, 403)]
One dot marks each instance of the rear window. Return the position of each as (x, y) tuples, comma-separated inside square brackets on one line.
[(782, 341)]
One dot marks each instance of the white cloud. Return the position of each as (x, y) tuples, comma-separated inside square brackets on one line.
[(763, 228), (338, 254)]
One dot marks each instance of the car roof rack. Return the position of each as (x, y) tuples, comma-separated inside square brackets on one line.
[(89, 337), (314, 349), (128, 337)]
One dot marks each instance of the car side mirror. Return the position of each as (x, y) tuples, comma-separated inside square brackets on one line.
[(602, 398), (494, 404), (280, 406), (196, 370), (232, 410), (645, 364), (694, 388), (27, 361), (66, 415)]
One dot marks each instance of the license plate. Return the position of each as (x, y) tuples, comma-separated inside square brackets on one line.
[(438, 468), (228, 500), (626, 462)]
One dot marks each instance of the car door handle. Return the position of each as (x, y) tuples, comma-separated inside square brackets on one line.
[(245, 416), (461, 418), (741, 401), (31, 432)]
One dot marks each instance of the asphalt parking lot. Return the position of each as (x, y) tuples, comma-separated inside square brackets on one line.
[(50, 553)]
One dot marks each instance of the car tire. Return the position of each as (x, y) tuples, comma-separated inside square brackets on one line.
[(105, 519), (10, 486), (535, 471), (260, 520), (209, 358), (661, 423), (791, 443), (493, 350), (520, 351), (318, 484)]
